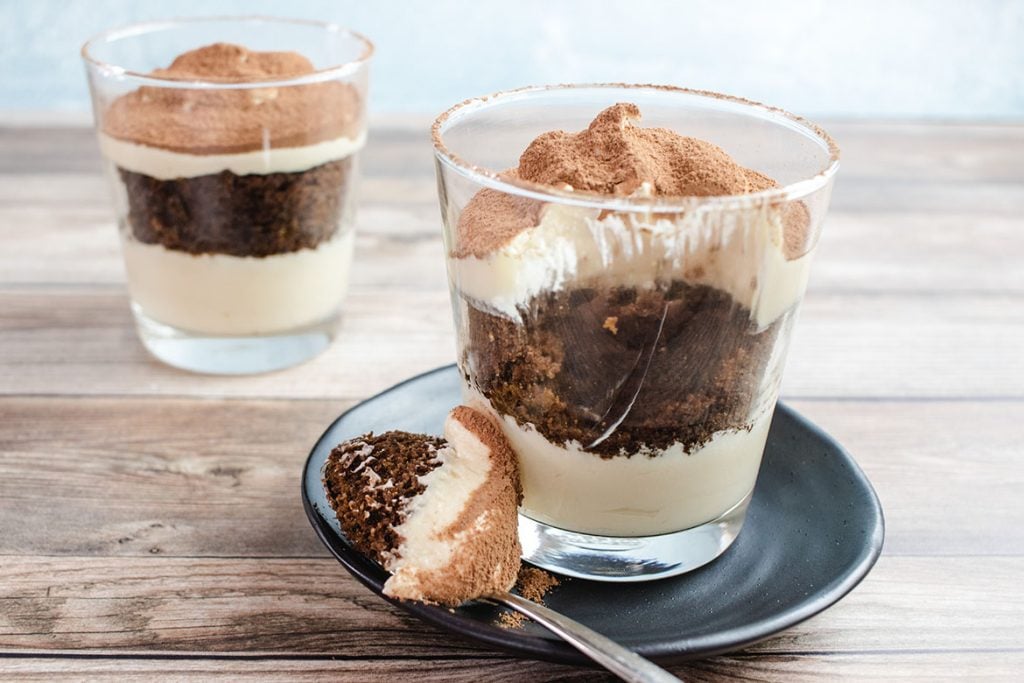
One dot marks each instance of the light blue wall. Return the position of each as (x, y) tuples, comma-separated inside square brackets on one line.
[(946, 59)]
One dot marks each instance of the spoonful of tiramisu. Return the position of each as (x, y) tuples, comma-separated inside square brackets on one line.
[(441, 516)]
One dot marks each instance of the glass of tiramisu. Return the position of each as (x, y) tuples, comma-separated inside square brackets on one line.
[(231, 147), (626, 264)]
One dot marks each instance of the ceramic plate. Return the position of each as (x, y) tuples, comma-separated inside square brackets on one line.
[(813, 531)]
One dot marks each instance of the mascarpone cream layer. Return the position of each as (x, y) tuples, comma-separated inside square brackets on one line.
[(571, 246), (218, 294), (164, 164), (426, 547), (641, 495)]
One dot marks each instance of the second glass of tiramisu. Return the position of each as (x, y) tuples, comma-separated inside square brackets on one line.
[(231, 147), (626, 263)]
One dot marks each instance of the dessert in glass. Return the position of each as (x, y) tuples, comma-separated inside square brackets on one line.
[(626, 264), (231, 148)]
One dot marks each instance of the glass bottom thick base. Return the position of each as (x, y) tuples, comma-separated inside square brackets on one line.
[(222, 355), (629, 558)]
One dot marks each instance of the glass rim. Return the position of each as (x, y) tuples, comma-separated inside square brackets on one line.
[(496, 180), (141, 28)]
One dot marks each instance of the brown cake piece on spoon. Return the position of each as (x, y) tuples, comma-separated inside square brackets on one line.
[(439, 514)]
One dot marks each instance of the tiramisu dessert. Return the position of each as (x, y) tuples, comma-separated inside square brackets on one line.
[(632, 357), (235, 210), (439, 514)]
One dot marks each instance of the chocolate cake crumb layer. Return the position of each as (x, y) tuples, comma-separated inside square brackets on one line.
[(370, 481), (247, 215), (226, 121), (581, 359)]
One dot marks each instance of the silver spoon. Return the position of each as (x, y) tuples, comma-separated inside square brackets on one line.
[(624, 663)]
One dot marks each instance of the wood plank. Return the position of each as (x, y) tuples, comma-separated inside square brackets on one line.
[(181, 477), (893, 666), (121, 554), (921, 346), (886, 167), (888, 667), (411, 186), (399, 246), (80, 341), (928, 666), (963, 186), (254, 606), (311, 607), (73, 149), (880, 194), (157, 477), (923, 252), (90, 192), (85, 343), (949, 474), (911, 151), (893, 150), (340, 669)]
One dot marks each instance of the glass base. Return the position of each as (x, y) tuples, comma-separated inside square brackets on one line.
[(219, 355), (629, 558)]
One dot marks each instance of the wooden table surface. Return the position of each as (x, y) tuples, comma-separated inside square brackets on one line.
[(150, 521)]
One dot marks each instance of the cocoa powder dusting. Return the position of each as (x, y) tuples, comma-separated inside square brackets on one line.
[(510, 619), (229, 63), (494, 217), (211, 121), (533, 584), (616, 157), (796, 220)]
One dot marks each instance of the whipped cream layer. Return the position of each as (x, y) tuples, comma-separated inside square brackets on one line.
[(642, 495), (218, 294), (164, 164), (743, 253)]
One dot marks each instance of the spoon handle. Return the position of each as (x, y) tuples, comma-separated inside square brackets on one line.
[(624, 663)]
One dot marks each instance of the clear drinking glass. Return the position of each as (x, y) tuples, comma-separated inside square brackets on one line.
[(233, 176), (630, 347)]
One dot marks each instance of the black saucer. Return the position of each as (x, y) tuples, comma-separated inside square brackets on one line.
[(813, 531)]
